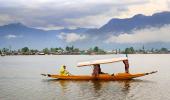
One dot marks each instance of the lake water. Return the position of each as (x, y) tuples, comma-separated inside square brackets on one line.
[(20, 78)]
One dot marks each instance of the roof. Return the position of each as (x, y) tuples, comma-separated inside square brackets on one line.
[(102, 61)]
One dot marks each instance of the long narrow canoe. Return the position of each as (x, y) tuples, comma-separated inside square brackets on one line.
[(119, 76)]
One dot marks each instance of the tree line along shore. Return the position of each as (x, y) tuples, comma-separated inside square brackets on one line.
[(71, 50)]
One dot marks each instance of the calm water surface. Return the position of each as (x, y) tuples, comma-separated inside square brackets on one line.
[(20, 79)]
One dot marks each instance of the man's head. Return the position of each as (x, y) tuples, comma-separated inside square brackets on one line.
[(64, 66)]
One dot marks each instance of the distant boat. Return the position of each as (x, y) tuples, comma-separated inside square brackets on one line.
[(2, 54), (41, 53), (118, 76)]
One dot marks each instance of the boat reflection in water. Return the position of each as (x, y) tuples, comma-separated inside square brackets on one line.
[(95, 89)]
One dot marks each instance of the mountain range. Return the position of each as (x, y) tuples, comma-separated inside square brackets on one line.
[(138, 21), (19, 35)]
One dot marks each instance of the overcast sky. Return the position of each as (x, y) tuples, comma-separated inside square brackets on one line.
[(53, 14)]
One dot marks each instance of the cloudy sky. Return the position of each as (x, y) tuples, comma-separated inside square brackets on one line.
[(56, 14)]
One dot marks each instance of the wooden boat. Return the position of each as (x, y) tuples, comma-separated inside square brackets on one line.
[(2, 54), (118, 76)]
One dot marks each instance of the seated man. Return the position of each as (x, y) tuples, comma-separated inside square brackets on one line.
[(97, 70), (63, 71)]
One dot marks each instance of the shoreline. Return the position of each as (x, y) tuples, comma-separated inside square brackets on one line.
[(89, 54)]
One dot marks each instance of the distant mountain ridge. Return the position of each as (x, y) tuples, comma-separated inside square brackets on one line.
[(138, 21), (38, 37), (19, 27), (115, 25), (20, 35)]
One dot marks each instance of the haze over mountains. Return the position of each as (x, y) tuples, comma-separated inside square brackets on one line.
[(117, 33)]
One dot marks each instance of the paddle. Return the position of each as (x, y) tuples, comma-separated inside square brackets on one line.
[(46, 75), (151, 72)]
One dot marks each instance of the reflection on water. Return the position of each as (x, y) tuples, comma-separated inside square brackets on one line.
[(126, 86), (63, 84), (95, 89), (97, 85)]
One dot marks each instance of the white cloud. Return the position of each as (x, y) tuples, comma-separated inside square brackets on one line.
[(12, 36), (5, 19), (71, 37), (148, 35), (74, 13), (149, 8), (50, 27)]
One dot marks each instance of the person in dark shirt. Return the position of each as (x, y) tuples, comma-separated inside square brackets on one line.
[(96, 70), (126, 66)]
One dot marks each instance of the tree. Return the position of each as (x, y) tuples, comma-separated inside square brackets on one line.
[(90, 50), (76, 50), (25, 50), (53, 49), (0, 52), (67, 48), (33, 51), (5, 50), (164, 50), (60, 49), (72, 48), (96, 49), (132, 50), (152, 50), (143, 48), (101, 51), (46, 51), (129, 50)]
